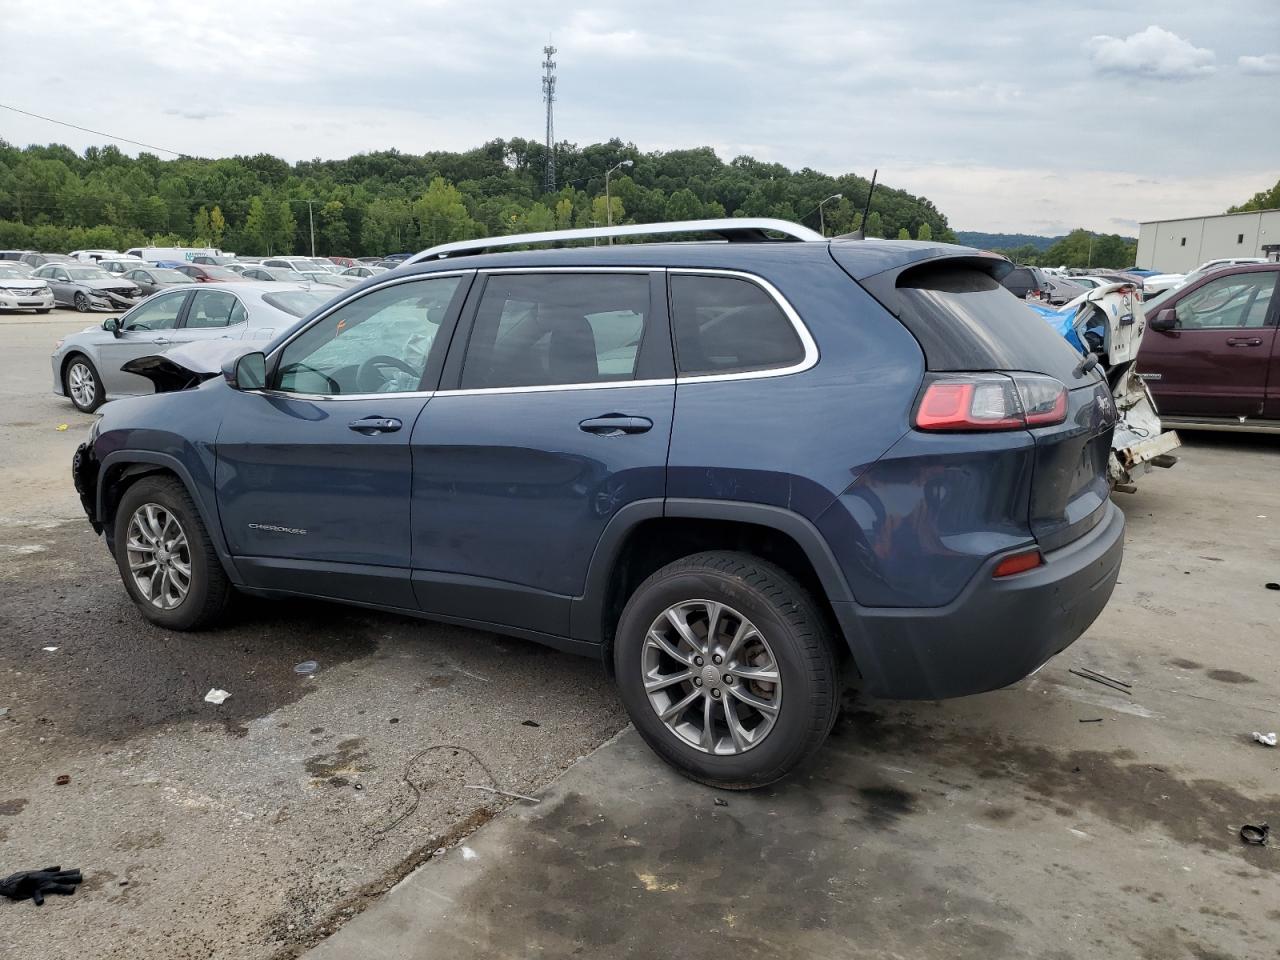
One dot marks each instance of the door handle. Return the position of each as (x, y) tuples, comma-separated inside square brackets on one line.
[(162, 340), (1244, 341), (372, 426), (615, 425)]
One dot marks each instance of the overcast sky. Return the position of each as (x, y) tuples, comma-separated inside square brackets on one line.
[(1009, 116)]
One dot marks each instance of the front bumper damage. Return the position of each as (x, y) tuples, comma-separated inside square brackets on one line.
[(1140, 441), (84, 474)]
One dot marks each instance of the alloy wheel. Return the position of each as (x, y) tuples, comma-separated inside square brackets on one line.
[(82, 303), (711, 677), (81, 384), (159, 556)]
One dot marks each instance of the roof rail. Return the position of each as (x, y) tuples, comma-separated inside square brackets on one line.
[(727, 228)]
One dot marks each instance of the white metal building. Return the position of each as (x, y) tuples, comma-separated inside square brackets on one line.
[(1176, 246)]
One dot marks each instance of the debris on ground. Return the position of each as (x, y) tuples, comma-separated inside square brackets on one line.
[(469, 854), (1266, 739), (1273, 585), (48, 649), (34, 884), (62, 779), (216, 696), (306, 667), (4, 712), (721, 802), (394, 720), (1102, 678), (63, 427), (1092, 720), (502, 793), (1255, 834), (530, 723)]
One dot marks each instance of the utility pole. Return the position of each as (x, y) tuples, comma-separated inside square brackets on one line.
[(549, 98), (312, 221), (822, 220)]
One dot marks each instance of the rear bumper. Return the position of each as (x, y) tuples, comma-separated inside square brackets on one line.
[(995, 632)]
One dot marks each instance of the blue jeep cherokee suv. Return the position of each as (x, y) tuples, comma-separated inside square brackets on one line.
[(729, 470)]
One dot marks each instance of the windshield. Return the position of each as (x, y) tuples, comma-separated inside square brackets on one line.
[(8, 273), (297, 302), (170, 276), (328, 266), (88, 273)]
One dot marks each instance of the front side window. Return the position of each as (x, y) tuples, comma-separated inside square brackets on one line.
[(557, 328), (1237, 301), (158, 314), (377, 343), (729, 325), (214, 308)]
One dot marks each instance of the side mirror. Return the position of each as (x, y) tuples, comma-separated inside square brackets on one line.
[(246, 372), (112, 326), (1164, 320)]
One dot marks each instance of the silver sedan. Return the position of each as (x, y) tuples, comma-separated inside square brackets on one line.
[(86, 365)]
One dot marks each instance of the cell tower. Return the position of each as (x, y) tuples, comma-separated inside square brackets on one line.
[(549, 98)]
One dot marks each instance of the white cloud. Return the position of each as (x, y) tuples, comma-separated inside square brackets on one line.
[(1268, 63), (1153, 52)]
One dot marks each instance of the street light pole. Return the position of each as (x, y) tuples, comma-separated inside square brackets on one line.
[(608, 203), (822, 220)]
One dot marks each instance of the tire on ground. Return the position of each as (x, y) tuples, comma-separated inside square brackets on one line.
[(99, 395), (210, 589), (797, 633)]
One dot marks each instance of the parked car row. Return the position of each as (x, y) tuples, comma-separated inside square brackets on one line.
[(142, 271)]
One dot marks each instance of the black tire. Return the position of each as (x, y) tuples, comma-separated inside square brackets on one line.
[(81, 301), (209, 589), (797, 633), (99, 393)]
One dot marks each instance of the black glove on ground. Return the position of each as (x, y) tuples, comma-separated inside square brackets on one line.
[(36, 883)]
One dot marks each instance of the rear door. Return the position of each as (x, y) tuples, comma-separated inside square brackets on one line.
[(212, 315), (1216, 362), (554, 413)]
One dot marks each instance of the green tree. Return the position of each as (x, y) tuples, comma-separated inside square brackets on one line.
[(925, 232), (202, 232), (684, 205), (335, 235), (256, 229), (904, 233), (875, 225), (442, 215), (217, 226), (1262, 200)]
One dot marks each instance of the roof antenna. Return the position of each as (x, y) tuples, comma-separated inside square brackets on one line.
[(861, 232)]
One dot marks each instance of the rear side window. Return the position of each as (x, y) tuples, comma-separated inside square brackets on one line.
[(557, 328), (729, 325), (214, 308), (965, 320)]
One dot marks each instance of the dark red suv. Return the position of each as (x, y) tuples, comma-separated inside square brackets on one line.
[(1211, 355)]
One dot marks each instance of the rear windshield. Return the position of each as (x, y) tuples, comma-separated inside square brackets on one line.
[(297, 302), (965, 320)]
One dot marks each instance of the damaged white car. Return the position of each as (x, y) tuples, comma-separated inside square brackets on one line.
[(1107, 323)]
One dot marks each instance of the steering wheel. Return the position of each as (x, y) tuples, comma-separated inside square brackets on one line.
[(369, 378)]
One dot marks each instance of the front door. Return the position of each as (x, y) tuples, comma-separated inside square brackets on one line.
[(555, 412), (1215, 362), (313, 474), (146, 329)]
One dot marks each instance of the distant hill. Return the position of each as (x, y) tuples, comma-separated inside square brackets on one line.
[(1004, 241)]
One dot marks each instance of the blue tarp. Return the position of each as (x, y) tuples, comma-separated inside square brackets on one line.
[(1061, 322)]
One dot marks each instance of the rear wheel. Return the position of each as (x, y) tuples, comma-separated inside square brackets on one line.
[(82, 385), (165, 556), (726, 667), (82, 302)]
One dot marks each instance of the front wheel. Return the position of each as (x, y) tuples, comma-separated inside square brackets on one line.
[(726, 667), (82, 385), (166, 559), (82, 302)]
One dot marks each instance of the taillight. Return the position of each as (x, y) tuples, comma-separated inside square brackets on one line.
[(991, 401)]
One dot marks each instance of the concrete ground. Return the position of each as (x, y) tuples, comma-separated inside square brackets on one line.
[(1004, 825), (1059, 819)]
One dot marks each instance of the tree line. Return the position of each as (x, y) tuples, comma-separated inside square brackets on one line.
[(1079, 248), (52, 198)]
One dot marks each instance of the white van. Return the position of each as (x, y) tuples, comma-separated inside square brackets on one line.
[(181, 254)]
